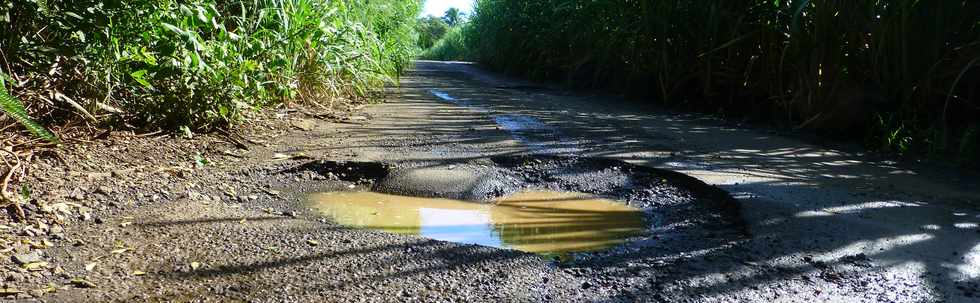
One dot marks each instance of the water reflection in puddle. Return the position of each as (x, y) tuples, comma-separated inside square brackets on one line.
[(450, 99), (538, 222)]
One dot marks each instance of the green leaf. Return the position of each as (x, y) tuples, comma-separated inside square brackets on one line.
[(140, 78), (187, 132), (15, 109), (74, 15), (173, 28)]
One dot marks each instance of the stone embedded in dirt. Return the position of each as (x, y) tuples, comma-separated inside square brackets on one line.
[(37, 292), (120, 173), (77, 195), (304, 124), (32, 257), (105, 190), (57, 235)]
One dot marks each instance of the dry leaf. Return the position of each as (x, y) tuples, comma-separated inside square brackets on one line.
[(91, 266), (139, 273), (9, 291), (121, 250), (35, 266)]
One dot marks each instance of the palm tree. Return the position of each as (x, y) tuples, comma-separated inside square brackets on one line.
[(453, 16)]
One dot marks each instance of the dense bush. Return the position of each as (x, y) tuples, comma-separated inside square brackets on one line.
[(905, 73), (198, 63), (431, 29)]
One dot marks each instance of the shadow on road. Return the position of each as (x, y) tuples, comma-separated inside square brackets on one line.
[(824, 223)]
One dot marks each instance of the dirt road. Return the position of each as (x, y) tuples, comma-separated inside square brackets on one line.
[(822, 224)]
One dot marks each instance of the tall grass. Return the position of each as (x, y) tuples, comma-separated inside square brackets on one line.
[(902, 74), (199, 63)]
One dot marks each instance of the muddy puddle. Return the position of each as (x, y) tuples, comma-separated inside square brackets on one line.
[(548, 223)]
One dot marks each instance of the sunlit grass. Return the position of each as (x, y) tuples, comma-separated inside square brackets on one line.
[(200, 63)]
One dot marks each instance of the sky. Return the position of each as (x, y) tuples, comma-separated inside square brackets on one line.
[(438, 7)]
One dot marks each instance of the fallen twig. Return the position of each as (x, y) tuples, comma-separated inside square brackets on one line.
[(4, 198)]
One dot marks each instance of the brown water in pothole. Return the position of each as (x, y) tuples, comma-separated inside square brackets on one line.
[(539, 222)]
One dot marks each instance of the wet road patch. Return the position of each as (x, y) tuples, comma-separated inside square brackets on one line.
[(542, 222)]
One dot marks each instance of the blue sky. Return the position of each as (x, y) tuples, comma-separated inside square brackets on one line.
[(438, 7)]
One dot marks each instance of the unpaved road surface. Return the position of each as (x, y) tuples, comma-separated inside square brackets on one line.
[(814, 224)]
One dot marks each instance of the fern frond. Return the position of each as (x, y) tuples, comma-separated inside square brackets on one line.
[(13, 107)]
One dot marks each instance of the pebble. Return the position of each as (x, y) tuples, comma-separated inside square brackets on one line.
[(105, 190), (57, 232), (31, 257)]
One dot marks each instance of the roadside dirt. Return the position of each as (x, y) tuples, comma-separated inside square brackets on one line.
[(169, 219)]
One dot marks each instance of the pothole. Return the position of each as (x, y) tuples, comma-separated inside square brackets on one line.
[(541, 204), (542, 222)]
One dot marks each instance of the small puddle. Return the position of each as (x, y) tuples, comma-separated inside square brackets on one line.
[(450, 99), (549, 223), (519, 123), (443, 95)]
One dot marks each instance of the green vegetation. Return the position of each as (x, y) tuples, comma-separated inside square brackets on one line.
[(450, 44), (452, 47), (197, 63), (13, 107), (902, 73), (431, 29), (453, 16), (443, 38)]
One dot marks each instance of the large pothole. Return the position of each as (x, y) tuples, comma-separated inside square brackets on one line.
[(541, 204)]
